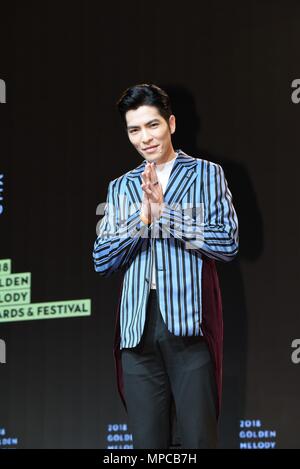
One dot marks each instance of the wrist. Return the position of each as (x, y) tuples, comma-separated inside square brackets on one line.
[(161, 208), (145, 219)]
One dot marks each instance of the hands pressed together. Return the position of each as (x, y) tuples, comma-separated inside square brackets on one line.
[(152, 202)]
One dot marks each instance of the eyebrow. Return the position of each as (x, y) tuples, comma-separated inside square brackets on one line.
[(137, 126)]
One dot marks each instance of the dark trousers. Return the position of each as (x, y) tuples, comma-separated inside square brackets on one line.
[(163, 365)]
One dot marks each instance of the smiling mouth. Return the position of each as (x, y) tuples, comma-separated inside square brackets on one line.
[(150, 148)]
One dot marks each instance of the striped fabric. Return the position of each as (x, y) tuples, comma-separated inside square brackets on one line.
[(198, 220)]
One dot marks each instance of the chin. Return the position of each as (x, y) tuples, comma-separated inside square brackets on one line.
[(150, 157)]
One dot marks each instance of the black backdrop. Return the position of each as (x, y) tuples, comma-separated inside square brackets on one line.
[(228, 67)]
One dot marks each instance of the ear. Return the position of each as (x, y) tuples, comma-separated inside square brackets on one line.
[(172, 123)]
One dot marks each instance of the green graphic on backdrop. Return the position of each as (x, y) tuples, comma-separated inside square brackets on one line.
[(15, 295)]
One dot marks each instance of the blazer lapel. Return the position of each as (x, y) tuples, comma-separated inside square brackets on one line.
[(182, 176), (133, 187)]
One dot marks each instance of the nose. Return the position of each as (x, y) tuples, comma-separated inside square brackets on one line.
[(146, 138)]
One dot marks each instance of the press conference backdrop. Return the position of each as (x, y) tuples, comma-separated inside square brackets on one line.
[(232, 72)]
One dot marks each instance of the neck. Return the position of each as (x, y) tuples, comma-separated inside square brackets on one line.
[(170, 155)]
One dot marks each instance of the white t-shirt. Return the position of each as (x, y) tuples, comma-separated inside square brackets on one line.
[(163, 173)]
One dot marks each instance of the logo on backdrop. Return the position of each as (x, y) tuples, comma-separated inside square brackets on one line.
[(295, 356), (118, 436), (7, 441), (15, 296), (254, 436), (2, 92), (2, 351), (1, 193), (295, 96)]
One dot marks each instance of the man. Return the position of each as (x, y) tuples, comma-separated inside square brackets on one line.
[(165, 224)]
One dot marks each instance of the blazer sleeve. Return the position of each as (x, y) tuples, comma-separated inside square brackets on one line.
[(213, 231), (118, 240)]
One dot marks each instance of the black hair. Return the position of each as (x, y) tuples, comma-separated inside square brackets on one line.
[(144, 95)]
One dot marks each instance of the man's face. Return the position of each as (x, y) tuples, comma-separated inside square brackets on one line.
[(149, 133)]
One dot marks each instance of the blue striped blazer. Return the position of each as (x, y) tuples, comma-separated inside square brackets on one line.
[(198, 220)]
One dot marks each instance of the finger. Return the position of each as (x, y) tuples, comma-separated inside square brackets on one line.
[(145, 185), (145, 177), (147, 173), (154, 191), (153, 172), (146, 192), (156, 187)]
